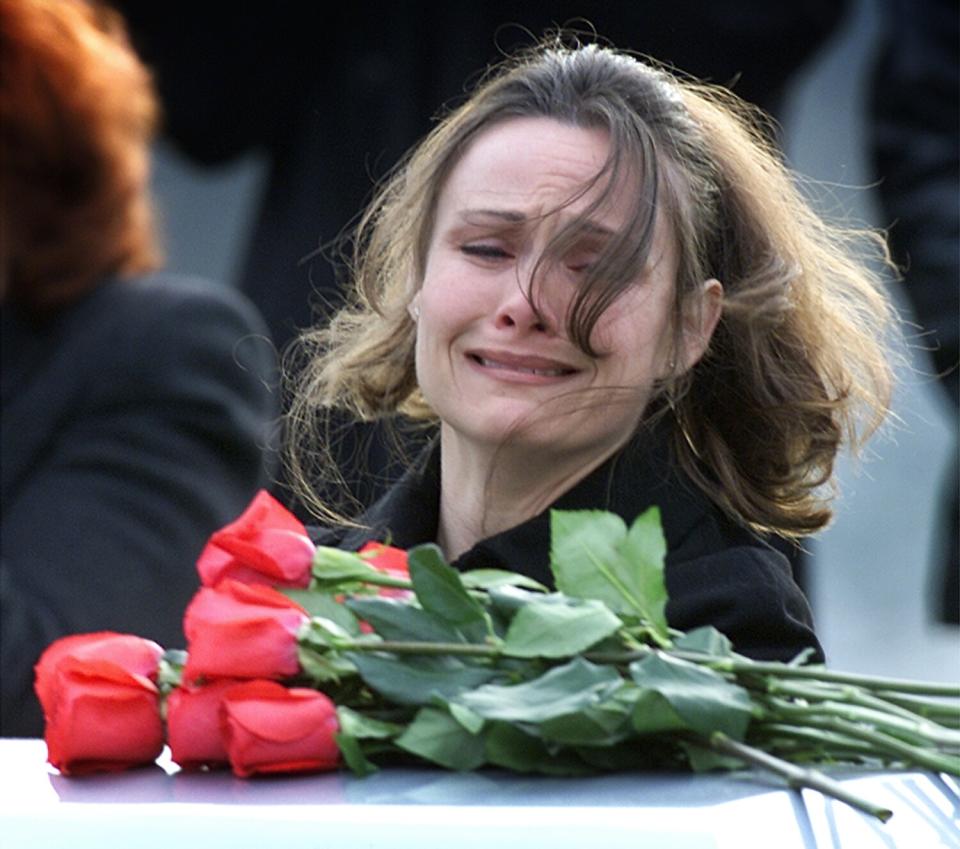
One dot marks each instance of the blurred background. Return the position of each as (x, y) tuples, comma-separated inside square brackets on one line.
[(272, 148)]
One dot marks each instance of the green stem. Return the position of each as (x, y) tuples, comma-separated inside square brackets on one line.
[(825, 743), (870, 682), (843, 693), (621, 658), (739, 666), (421, 648), (909, 754), (795, 776), (911, 729), (945, 713), (377, 579)]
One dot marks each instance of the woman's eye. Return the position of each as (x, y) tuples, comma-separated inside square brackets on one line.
[(484, 251), (579, 261), (580, 265)]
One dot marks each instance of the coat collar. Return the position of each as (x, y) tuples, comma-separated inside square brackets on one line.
[(639, 476)]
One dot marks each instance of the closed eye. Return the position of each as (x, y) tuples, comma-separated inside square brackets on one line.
[(581, 260), (484, 251)]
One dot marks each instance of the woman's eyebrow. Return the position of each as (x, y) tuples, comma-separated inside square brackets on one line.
[(592, 228), (510, 216)]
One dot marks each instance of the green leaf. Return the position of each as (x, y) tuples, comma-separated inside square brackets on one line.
[(361, 726), (507, 599), (353, 755), (598, 725), (548, 629), (632, 754), (703, 759), (175, 658), (437, 737), (564, 689), (170, 669), (485, 579), (706, 639), (418, 681), (679, 694), (509, 747), (653, 713), (593, 555), (324, 668), (466, 717), (323, 605), (394, 619), (322, 634), (440, 591), (332, 566), (802, 657), (646, 549)]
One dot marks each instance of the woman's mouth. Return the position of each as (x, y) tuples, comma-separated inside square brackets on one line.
[(521, 365)]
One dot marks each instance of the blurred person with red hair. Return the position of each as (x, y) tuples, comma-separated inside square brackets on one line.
[(136, 406)]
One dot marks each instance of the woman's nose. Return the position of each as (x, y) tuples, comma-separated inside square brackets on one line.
[(524, 307), (521, 319)]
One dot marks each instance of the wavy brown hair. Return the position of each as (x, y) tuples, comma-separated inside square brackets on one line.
[(798, 364), (77, 114)]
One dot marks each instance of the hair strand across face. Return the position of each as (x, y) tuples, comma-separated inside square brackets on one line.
[(798, 364)]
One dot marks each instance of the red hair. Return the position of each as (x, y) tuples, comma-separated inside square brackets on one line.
[(77, 114)]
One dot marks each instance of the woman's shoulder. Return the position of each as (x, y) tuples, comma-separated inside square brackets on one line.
[(157, 299), (748, 593), (330, 536), (168, 324), (736, 566), (167, 346)]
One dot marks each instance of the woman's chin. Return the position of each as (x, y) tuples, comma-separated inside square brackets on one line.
[(530, 434)]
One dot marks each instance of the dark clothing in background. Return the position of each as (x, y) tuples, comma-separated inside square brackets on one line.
[(133, 426), (717, 573), (914, 138)]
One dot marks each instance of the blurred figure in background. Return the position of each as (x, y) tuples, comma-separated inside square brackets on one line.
[(915, 144), (136, 406)]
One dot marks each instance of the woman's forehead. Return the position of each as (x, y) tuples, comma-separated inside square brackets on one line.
[(527, 170), (524, 169)]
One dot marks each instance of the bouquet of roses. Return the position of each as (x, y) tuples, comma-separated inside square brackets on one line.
[(300, 658)]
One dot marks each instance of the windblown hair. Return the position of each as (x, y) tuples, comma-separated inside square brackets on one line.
[(77, 114), (798, 364)]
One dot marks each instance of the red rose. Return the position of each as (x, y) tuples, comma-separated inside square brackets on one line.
[(129, 652), (193, 724), (100, 702), (267, 544), (391, 561), (269, 728), (241, 631), (386, 558)]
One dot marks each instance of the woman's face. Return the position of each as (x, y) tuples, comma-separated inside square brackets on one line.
[(491, 366)]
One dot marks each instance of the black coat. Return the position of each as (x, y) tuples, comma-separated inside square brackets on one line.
[(717, 572), (133, 425)]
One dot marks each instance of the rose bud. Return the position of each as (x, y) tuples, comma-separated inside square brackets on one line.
[(132, 653), (241, 631), (100, 702), (269, 728), (386, 558), (193, 725), (267, 544), (391, 561)]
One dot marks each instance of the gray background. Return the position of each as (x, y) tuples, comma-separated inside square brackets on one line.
[(871, 575)]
